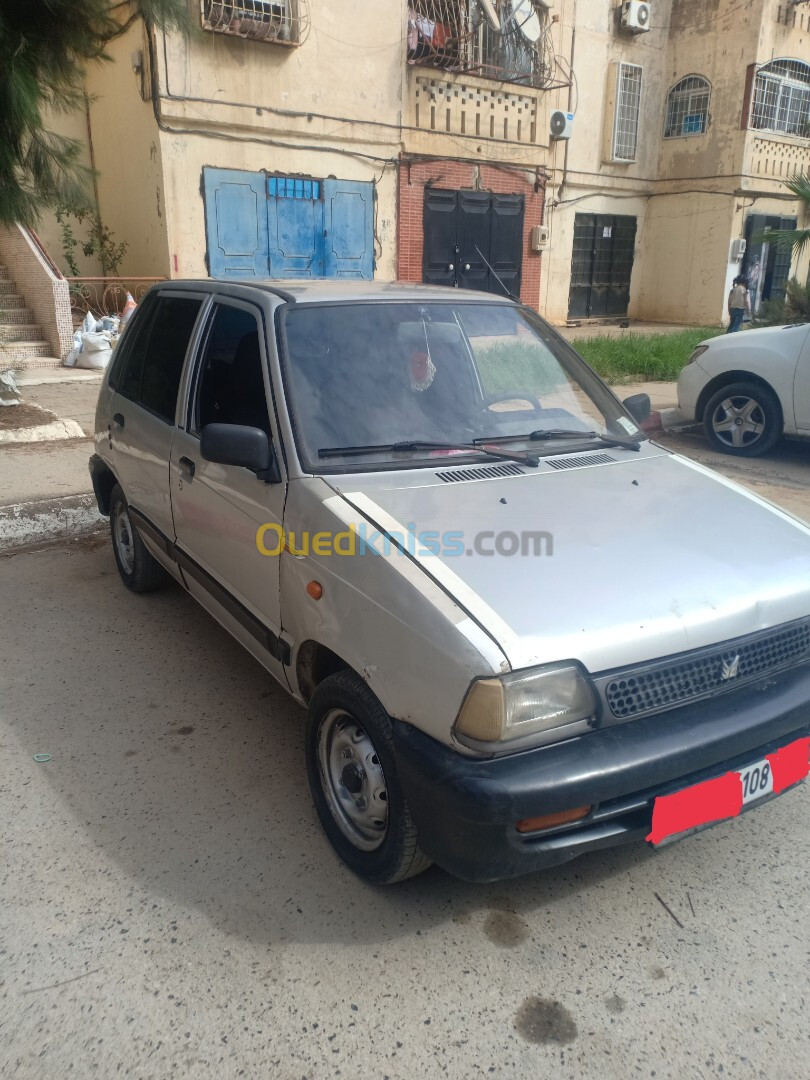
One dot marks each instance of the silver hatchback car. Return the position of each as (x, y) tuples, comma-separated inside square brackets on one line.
[(521, 630)]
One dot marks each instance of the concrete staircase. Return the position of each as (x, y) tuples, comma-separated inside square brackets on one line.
[(22, 345)]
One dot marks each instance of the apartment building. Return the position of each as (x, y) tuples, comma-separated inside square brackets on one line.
[(599, 159)]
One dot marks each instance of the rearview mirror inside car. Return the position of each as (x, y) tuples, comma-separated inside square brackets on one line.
[(247, 447)]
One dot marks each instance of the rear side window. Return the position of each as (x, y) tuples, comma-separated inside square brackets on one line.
[(154, 361), (137, 328)]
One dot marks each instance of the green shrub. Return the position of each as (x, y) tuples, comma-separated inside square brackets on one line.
[(795, 308)]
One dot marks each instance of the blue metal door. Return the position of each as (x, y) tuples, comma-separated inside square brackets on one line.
[(295, 224), (284, 227), (348, 223), (236, 223)]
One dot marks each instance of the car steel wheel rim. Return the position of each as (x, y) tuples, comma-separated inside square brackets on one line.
[(124, 541), (739, 422), (353, 781)]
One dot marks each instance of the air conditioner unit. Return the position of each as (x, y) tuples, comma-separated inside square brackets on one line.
[(635, 16), (540, 236), (561, 125)]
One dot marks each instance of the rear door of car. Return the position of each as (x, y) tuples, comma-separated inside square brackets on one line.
[(219, 509), (143, 407)]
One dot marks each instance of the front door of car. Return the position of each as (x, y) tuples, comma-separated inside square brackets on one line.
[(801, 390), (143, 405), (219, 509)]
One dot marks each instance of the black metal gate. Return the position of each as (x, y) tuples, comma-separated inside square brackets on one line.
[(461, 227), (601, 266), (767, 266)]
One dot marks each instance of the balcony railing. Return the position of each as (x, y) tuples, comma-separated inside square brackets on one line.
[(507, 40), (105, 295)]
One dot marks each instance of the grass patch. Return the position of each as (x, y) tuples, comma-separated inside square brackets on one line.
[(642, 357)]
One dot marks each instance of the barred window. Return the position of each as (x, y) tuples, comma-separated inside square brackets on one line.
[(628, 108), (688, 107), (284, 22), (782, 98)]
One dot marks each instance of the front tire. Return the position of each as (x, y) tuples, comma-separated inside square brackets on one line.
[(139, 569), (743, 419), (355, 787)]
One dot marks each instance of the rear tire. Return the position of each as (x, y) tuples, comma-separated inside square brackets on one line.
[(353, 778), (140, 571), (743, 419)]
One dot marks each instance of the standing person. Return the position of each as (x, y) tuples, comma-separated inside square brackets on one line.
[(738, 304)]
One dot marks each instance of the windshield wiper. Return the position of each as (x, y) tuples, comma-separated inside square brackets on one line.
[(522, 457), (549, 434)]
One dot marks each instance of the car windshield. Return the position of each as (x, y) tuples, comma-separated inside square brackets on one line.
[(374, 375)]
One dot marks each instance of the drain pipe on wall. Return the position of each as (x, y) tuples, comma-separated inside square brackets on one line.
[(553, 205)]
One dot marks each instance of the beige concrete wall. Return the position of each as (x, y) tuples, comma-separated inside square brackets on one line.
[(685, 262), (128, 159), (74, 126)]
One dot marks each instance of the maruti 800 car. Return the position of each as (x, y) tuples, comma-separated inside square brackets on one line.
[(521, 629)]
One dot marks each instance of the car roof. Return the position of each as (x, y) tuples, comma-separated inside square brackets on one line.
[(330, 290)]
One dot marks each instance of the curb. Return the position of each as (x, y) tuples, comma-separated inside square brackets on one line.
[(22, 524), (665, 420)]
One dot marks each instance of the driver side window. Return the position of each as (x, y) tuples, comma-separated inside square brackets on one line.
[(230, 383)]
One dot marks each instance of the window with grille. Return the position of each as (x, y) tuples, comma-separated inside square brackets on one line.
[(688, 107), (281, 21), (628, 108), (782, 98), (289, 187)]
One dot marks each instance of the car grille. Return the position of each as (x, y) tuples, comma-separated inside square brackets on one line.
[(657, 687)]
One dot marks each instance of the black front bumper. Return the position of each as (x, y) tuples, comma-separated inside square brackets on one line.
[(466, 809)]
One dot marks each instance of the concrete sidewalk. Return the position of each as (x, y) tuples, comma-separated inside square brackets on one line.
[(46, 493)]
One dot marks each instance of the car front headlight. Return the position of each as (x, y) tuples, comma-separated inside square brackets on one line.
[(699, 351), (527, 708)]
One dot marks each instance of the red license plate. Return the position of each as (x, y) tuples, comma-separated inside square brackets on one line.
[(725, 796)]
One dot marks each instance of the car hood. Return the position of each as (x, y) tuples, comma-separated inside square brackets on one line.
[(648, 556)]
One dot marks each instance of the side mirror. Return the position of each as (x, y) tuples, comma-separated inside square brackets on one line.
[(246, 447), (639, 406)]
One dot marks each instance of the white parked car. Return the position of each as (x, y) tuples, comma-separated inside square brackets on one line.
[(750, 389)]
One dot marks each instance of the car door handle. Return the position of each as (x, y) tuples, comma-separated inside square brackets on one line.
[(187, 464), (119, 419)]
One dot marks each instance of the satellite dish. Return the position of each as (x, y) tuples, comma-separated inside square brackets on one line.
[(490, 13), (526, 19)]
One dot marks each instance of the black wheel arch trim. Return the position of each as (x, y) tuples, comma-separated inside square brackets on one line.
[(278, 648), (104, 481)]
